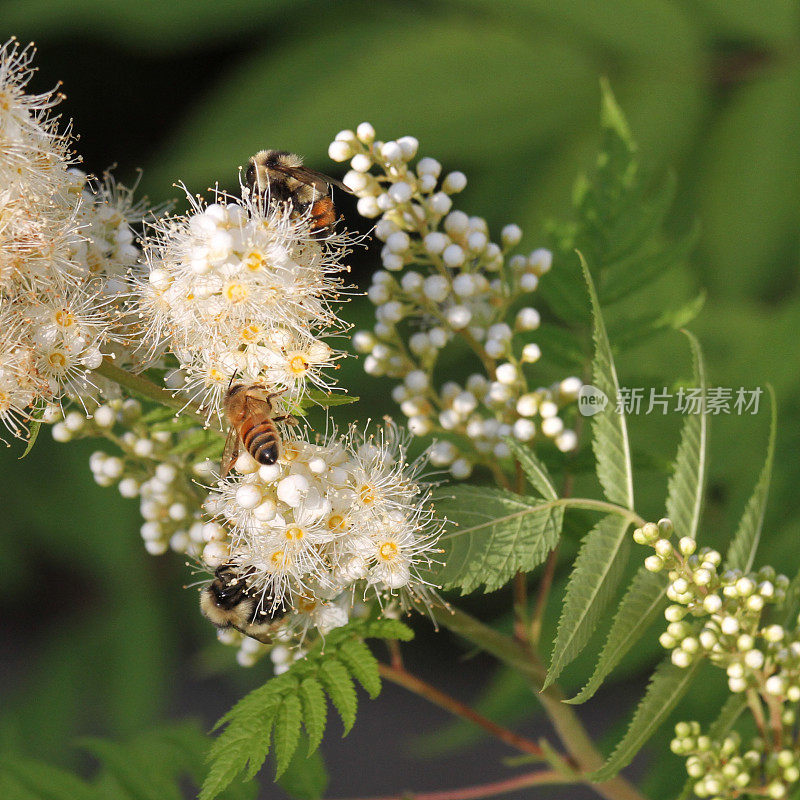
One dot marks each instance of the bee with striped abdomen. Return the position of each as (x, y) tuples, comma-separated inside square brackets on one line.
[(280, 177), (250, 414), (228, 603)]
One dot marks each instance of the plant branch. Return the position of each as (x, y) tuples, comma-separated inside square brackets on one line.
[(400, 676), (486, 789), (147, 389), (542, 595), (565, 721)]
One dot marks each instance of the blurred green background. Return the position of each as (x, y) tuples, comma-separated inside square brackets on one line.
[(98, 637)]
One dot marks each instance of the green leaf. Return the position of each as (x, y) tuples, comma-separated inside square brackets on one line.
[(499, 534), (139, 779), (609, 428), (306, 777), (641, 604), (33, 430), (44, 781), (386, 629), (286, 734), (667, 686), (229, 756), (592, 585), (534, 469), (743, 548), (363, 666), (315, 711), (644, 599), (728, 715), (339, 686), (687, 482)]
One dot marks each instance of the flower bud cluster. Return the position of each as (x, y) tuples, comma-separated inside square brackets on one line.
[(61, 240), (722, 770), (720, 615), (445, 282), (242, 288), (152, 465), (330, 521)]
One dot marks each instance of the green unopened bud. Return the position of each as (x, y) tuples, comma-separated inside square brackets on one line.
[(687, 545), (663, 548), (653, 564)]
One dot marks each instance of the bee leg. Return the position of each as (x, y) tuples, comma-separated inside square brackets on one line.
[(276, 394), (287, 418)]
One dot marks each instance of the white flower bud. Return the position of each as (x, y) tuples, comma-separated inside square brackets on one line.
[(531, 353), (365, 133), (429, 166), (105, 417), (567, 441), (340, 151), (266, 511), (712, 603), (143, 447), (398, 242), (540, 261), (737, 685), (361, 162), (729, 626), (363, 341), (507, 374), (477, 241), (459, 317), (128, 487), (113, 467), (392, 152), (464, 285), (454, 182), (528, 282), (409, 145), (248, 496), (775, 685), (436, 288), (528, 405), (774, 633), (754, 659), (663, 547), (440, 203), (680, 658), (293, 489), (453, 256), (368, 207), (552, 426), (461, 469), (528, 319), (442, 453), (436, 242), (653, 564), (524, 430), (215, 553), (511, 235)]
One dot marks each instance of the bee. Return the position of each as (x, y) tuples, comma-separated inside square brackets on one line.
[(280, 177), (250, 414), (228, 603)]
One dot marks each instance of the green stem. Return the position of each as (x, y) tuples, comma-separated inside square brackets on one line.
[(584, 503), (147, 389), (565, 721)]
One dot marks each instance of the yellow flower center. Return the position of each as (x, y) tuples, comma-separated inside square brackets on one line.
[(235, 292), (57, 360), (298, 365), (290, 451), (368, 494), (64, 318), (5, 401), (294, 533), (388, 551), (215, 375), (251, 334), (255, 260), (279, 560), (306, 605), (336, 522)]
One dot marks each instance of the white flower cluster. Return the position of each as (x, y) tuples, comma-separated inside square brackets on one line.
[(721, 617), (242, 288), (154, 464), (329, 520), (444, 282), (60, 242)]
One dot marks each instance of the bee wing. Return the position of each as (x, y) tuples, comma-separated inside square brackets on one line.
[(229, 453), (313, 178)]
